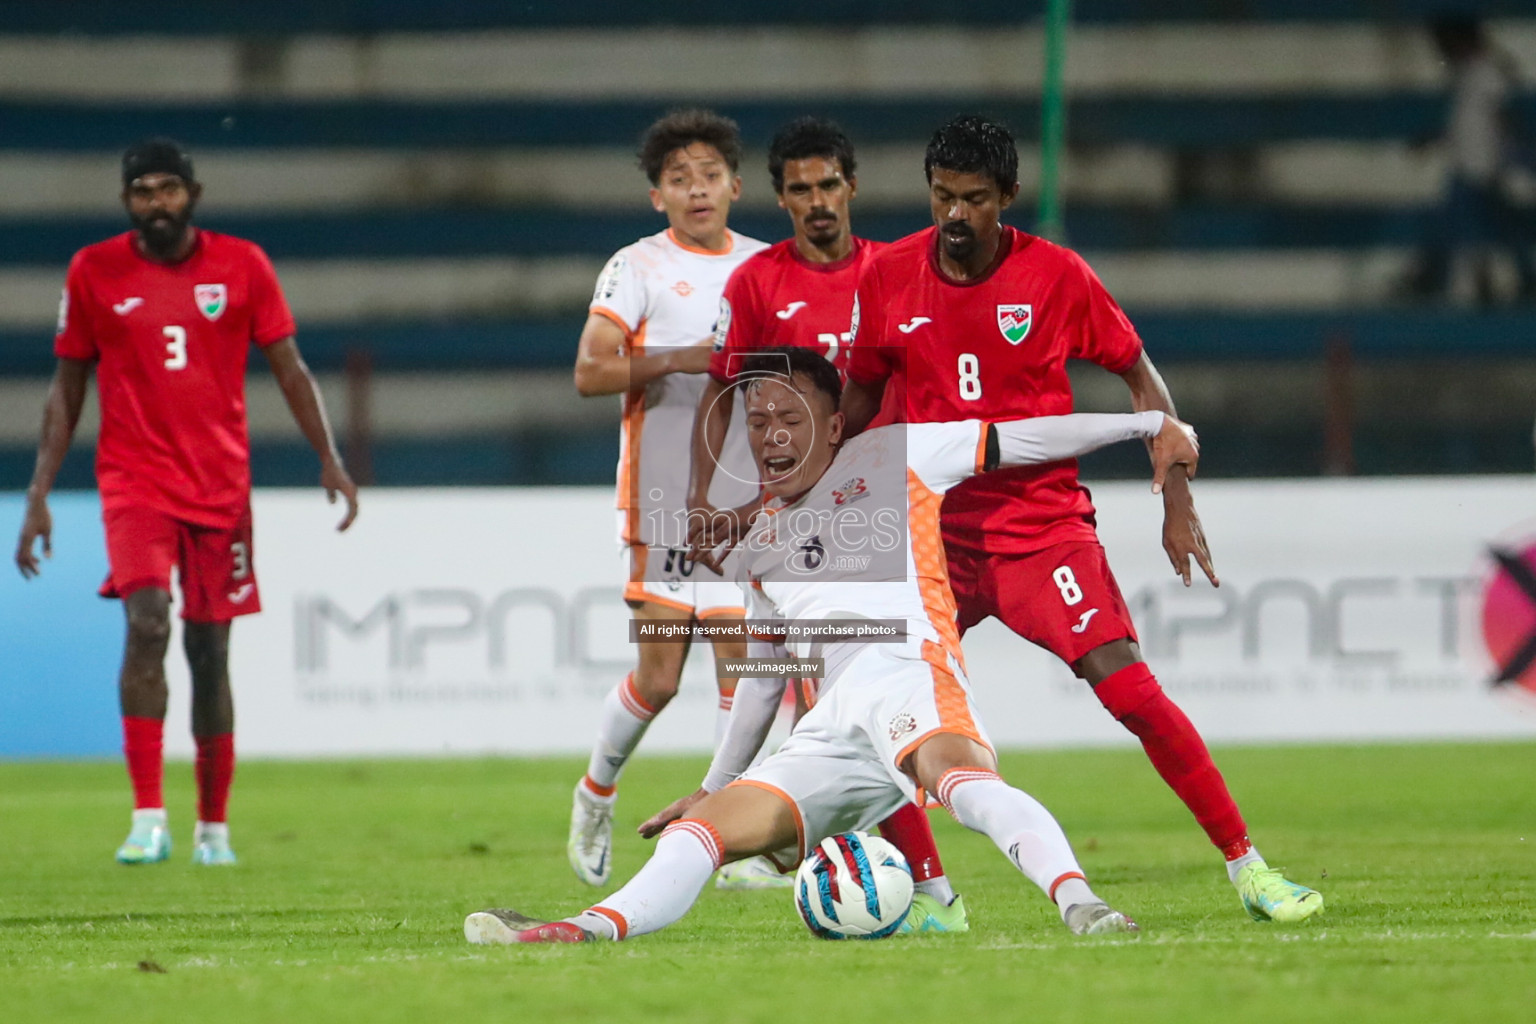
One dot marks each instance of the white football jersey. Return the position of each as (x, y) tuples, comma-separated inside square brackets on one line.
[(864, 541), (665, 294)]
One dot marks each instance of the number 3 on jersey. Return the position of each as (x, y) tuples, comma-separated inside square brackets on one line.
[(175, 347), (970, 377)]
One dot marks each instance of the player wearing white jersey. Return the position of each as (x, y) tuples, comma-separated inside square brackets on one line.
[(647, 338), (891, 717)]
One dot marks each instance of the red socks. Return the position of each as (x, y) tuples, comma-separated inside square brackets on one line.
[(144, 749), (908, 830), (1178, 753), (215, 772)]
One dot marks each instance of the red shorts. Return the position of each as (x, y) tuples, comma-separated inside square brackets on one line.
[(1062, 598), (214, 566)]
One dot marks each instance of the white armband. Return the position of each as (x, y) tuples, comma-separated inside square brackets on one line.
[(1053, 438)]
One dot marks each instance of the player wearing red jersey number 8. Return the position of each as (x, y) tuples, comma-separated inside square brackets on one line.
[(973, 319)]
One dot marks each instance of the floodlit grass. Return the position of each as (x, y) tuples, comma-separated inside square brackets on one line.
[(355, 878)]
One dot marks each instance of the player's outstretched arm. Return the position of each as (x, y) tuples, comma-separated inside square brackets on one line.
[(605, 366), (61, 413), (1183, 536), (303, 397), (1040, 439)]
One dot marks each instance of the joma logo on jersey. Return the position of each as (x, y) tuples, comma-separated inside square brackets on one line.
[(851, 491), (1015, 321), (211, 299)]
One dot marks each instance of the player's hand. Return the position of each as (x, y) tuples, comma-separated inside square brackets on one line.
[(1183, 537), (693, 359), (1175, 445), (36, 522), (334, 478), (714, 533), (651, 827), (701, 525)]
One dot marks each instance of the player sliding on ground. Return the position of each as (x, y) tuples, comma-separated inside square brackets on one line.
[(798, 293), (852, 532)]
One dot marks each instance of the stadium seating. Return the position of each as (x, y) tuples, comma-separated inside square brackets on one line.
[(442, 201)]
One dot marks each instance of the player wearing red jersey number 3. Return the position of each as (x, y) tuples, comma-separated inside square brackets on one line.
[(972, 319), (166, 314)]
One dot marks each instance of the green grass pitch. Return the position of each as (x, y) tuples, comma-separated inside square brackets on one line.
[(355, 878)]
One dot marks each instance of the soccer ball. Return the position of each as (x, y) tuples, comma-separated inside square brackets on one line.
[(853, 886)]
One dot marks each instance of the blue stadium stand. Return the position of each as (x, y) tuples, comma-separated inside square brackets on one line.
[(420, 232), (1242, 122), (274, 17), (1190, 121)]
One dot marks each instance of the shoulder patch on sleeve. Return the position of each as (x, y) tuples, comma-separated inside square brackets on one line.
[(608, 280), (723, 324)]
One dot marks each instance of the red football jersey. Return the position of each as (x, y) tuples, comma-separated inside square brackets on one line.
[(995, 348), (780, 298), (170, 343)]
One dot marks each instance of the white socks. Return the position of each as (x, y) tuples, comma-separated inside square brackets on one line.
[(1236, 864), (211, 831), (938, 887), (1021, 827), (687, 853), (626, 716)]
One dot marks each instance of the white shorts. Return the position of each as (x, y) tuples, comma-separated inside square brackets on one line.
[(664, 576), (840, 769)]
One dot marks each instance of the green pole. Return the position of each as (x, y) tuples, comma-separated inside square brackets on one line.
[(1053, 119)]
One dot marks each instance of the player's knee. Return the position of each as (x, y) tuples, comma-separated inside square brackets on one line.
[(947, 752), (149, 625), (656, 688)]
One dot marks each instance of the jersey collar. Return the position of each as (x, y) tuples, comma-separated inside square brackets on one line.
[(1010, 239), (835, 265)]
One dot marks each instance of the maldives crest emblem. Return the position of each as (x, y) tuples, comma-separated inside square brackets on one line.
[(211, 299), (1015, 320)]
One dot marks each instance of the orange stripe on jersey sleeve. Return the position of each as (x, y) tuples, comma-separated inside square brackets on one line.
[(608, 314)]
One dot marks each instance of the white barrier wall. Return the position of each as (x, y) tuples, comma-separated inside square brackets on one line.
[(490, 621)]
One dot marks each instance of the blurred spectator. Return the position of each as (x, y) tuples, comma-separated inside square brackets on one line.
[(1483, 143)]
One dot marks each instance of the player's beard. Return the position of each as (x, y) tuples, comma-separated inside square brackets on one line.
[(959, 240), (162, 234), (821, 227)]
